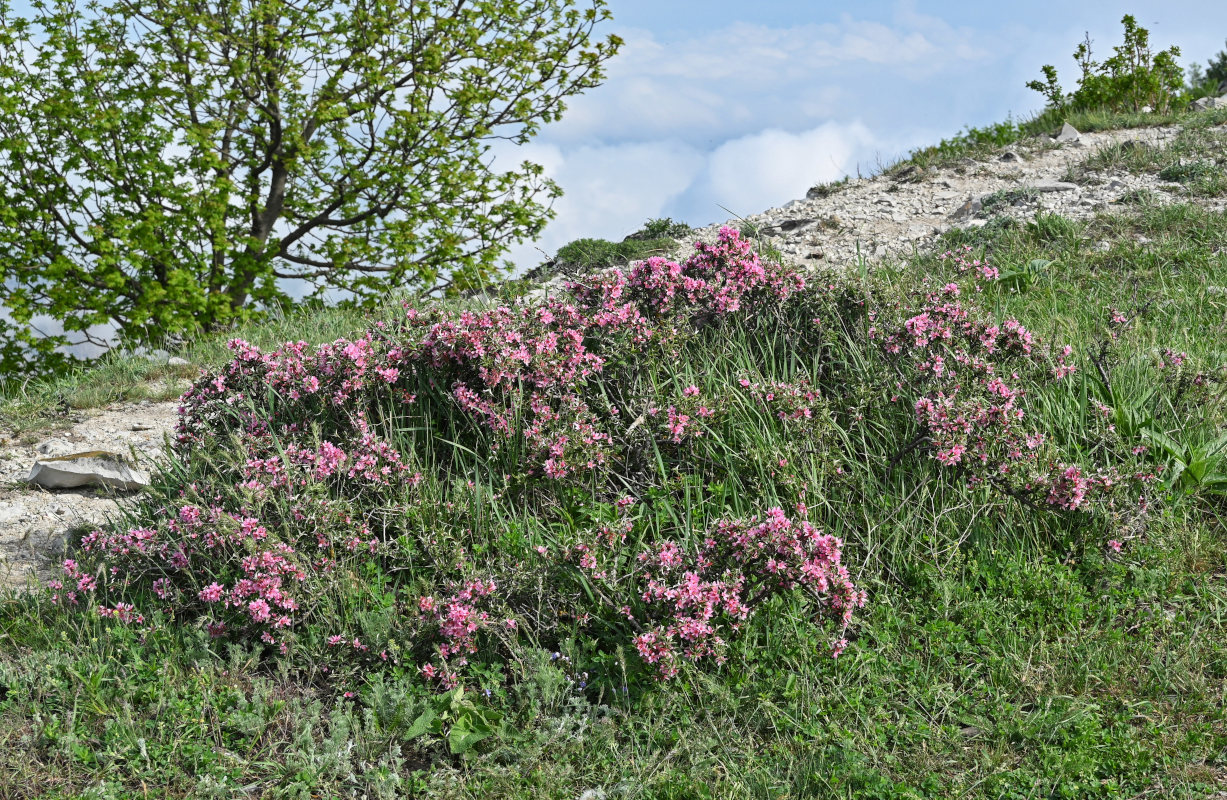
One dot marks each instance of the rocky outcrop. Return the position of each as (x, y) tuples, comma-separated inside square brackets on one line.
[(1068, 134), (1208, 103)]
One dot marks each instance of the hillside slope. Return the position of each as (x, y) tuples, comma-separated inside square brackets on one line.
[(930, 507)]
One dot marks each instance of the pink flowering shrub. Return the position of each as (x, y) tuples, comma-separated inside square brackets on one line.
[(690, 603), (518, 374), (309, 483), (969, 382), (446, 488)]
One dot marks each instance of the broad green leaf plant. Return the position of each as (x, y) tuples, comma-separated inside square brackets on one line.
[(169, 166)]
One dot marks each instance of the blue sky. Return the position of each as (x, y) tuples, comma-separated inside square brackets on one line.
[(747, 104)]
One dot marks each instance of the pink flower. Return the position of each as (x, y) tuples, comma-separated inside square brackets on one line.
[(259, 610)]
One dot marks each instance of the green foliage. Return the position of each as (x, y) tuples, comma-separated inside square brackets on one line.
[(1024, 276), (600, 253), (457, 719), (165, 167), (661, 228), (655, 238), (1002, 654), (1131, 79), (972, 142), (1195, 466), (1211, 80)]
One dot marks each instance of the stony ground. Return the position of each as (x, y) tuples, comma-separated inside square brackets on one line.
[(36, 524), (876, 219), (893, 214)]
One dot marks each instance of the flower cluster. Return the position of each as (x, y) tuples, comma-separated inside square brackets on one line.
[(516, 372), (963, 262), (691, 602), (457, 619), (257, 589), (719, 278), (967, 375)]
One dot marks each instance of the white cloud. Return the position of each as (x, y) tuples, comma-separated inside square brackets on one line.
[(744, 77), (610, 190), (767, 169)]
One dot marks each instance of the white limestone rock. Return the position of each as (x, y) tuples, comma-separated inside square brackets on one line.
[(1068, 134), (92, 468)]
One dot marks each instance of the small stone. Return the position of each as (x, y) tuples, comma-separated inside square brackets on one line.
[(11, 513), (93, 468), (968, 209), (141, 426), (1009, 155), (1147, 109), (1068, 134), (1052, 186), (55, 447), (176, 361)]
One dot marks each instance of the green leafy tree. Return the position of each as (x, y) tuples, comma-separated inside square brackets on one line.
[(1134, 77), (1216, 70), (167, 166)]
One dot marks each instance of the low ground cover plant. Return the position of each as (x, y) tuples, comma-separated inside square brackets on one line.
[(1194, 159)]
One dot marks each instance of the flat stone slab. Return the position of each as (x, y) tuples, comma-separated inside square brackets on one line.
[(1050, 186), (91, 468)]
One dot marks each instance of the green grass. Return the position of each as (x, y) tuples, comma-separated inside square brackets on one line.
[(983, 143), (1195, 158), (1003, 654)]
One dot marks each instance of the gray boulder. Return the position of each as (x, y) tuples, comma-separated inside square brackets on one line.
[(93, 468), (1208, 103)]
